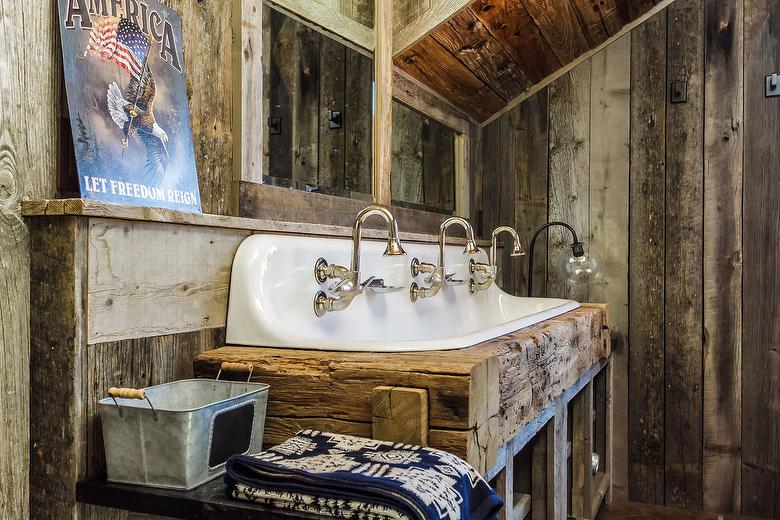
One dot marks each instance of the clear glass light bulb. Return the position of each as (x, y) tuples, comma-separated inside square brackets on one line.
[(581, 270)]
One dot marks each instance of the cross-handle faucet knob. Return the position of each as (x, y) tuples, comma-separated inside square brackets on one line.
[(348, 285), (437, 274), (489, 272)]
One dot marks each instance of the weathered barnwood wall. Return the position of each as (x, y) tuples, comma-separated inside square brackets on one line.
[(657, 190), (33, 142)]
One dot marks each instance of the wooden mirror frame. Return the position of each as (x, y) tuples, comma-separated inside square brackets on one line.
[(248, 117)]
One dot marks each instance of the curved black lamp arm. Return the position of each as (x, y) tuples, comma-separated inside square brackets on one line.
[(577, 248)]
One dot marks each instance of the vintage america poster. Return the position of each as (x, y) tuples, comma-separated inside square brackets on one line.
[(127, 100)]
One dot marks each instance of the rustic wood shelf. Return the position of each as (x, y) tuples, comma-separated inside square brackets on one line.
[(98, 209), (205, 502)]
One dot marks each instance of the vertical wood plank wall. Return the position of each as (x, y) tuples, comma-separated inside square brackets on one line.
[(671, 197)]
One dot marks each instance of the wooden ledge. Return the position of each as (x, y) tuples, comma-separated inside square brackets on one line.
[(98, 209), (206, 501)]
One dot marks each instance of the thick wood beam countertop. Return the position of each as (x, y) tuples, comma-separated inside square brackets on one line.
[(478, 397)]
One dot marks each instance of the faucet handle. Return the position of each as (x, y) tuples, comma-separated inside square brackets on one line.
[(418, 268)]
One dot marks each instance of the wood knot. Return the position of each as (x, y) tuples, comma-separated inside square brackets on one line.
[(9, 189)]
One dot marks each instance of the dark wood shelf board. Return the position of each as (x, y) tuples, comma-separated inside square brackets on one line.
[(205, 502)]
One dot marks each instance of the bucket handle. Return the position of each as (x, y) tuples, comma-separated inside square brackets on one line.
[(129, 393), (236, 367)]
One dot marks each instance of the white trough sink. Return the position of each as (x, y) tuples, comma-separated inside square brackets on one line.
[(272, 291)]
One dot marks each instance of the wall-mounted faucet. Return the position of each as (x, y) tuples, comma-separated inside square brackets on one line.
[(437, 275), (485, 274), (347, 284)]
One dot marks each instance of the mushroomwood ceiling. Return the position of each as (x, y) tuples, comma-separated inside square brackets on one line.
[(492, 51)]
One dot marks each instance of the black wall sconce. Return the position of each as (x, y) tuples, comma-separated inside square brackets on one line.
[(580, 268)]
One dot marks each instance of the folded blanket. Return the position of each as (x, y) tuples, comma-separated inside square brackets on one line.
[(350, 477)]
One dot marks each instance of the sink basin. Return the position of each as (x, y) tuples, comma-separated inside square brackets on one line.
[(272, 291)]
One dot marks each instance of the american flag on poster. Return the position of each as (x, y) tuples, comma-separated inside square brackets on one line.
[(128, 103), (121, 41)]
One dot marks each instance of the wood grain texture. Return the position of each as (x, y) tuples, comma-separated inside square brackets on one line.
[(282, 57), (646, 262), (303, 207), (29, 128), (400, 415), (467, 38), (512, 26), (610, 16), (590, 18), (332, 141), (382, 113), (533, 183), (357, 124), (128, 298), (58, 341), (761, 272), (421, 98), (14, 360), (610, 142), (247, 53), (208, 65), (407, 182), (347, 22), (437, 13), (558, 22), (581, 451), (305, 104), (569, 174), (684, 232), (431, 63), (723, 152), (478, 399)]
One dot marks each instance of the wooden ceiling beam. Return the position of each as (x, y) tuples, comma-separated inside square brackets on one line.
[(338, 26), (439, 12)]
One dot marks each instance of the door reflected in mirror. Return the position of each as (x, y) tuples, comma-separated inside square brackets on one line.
[(318, 94)]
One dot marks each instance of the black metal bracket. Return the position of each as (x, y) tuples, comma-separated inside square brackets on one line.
[(334, 119), (772, 85), (679, 92), (275, 125)]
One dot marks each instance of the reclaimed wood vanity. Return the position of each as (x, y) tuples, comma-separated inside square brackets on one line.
[(527, 409), (487, 404)]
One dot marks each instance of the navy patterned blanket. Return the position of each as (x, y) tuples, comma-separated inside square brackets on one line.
[(355, 478)]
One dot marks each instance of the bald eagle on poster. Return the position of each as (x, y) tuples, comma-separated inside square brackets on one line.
[(133, 112)]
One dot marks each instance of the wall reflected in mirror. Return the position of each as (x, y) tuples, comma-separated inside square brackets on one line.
[(318, 93)]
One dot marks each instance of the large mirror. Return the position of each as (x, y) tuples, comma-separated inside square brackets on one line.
[(319, 98)]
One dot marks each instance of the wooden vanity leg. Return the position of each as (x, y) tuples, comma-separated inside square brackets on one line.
[(582, 450), (608, 434), (400, 414), (505, 486), (557, 478)]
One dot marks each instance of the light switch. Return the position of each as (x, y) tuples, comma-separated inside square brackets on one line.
[(773, 85)]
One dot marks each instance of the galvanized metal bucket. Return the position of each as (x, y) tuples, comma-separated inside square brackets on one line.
[(179, 435)]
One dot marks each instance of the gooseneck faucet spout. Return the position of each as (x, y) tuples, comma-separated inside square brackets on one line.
[(437, 275), (393, 248), (489, 272), (347, 283)]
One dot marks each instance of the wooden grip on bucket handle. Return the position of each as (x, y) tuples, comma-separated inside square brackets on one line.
[(129, 393), (227, 366), (126, 393)]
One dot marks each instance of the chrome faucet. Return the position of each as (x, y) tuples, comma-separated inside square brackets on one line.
[(437, 275), (347, 284), (487, 273)]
